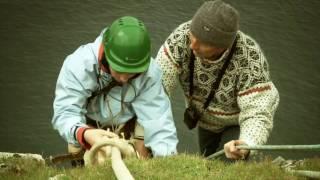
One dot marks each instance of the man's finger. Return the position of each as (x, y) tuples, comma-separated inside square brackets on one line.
[(233, 156), (233, 148), (109, 134)]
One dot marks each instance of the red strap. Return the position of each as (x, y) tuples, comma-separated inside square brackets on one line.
[(80, 137), (100, 58)]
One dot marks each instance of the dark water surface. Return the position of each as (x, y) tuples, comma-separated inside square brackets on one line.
[(36, 36)]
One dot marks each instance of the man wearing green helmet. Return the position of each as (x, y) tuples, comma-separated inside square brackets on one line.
[(110, 82)]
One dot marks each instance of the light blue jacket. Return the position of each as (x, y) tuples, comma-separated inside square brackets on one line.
[(144, 97)]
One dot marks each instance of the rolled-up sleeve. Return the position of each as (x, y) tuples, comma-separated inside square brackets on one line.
[(154, 113)]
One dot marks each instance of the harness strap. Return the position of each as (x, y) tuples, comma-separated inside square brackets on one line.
[(215, 84)]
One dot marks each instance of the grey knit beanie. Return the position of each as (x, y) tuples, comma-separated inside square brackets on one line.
[(215, 23)]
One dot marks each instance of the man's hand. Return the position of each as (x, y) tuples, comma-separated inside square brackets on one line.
[(144, 152), (232, 152), (93, 136)]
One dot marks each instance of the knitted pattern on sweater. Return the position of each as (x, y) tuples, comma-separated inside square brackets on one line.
[(246, 96)]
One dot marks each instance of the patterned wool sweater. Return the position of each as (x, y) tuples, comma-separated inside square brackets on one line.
[(245, 97)]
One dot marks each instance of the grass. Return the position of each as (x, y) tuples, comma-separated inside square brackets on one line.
[(182, 166)]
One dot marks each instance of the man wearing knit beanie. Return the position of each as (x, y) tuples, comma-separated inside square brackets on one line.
[(225, 78), (215, 23)]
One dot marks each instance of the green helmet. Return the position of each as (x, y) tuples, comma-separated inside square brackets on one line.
[(127, 45)]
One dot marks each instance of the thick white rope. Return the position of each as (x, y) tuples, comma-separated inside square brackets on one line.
[(120, 169), (117, 148)]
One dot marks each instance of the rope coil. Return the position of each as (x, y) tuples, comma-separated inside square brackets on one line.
[(117, 149)]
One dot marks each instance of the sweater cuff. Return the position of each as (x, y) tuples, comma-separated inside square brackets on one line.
[(80, 137)]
